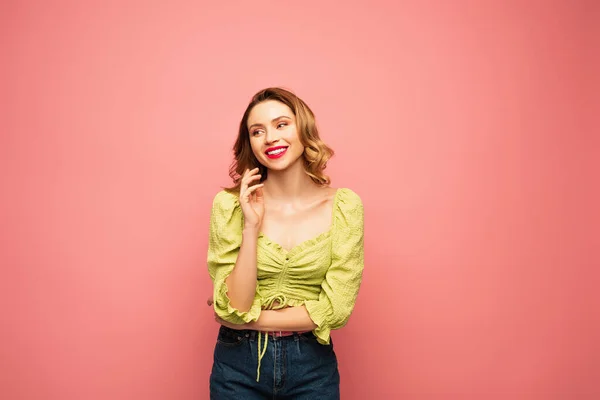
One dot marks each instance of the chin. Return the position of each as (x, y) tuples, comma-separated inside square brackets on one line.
[(280, 167), (281, 164)]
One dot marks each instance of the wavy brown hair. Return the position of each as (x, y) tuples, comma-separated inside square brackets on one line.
[(316, 152)]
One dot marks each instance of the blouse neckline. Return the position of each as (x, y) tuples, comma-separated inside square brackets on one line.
[(308, 243)]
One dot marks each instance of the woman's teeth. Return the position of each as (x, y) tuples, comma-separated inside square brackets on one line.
[(278, 151)]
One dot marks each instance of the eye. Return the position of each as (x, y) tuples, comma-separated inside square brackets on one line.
[(256, 132), (281, 124)]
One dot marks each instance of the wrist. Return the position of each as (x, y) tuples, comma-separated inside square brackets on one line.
[(250, 230), (261, 323), (256, 325), (252, 325)]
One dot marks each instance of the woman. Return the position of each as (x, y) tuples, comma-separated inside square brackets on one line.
[(285, 256)]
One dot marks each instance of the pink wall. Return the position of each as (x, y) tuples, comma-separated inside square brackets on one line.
[(462, 125)]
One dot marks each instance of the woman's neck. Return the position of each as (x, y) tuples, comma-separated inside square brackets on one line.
[(289, 184)]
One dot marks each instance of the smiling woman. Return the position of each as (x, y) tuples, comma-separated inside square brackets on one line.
[(274, 143), (285, 257), (277, 118)]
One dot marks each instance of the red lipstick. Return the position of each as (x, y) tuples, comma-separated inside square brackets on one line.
[(276, 152)]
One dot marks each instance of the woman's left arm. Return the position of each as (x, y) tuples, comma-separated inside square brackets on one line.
[(286, 319)]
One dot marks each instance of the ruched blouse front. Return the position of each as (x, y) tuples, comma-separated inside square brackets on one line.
[(323, 273)]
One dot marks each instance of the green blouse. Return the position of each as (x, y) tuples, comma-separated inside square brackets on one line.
[(323, 273)]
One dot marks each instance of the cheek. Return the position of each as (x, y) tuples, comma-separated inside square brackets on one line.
[(293, 138), (298, 144), (298, 148), (255, 147)]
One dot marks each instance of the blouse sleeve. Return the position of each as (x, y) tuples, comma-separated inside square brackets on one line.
[(225, 238), (343, 278)]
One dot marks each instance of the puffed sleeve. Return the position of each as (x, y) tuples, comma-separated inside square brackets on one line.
[(225, 238), (343, 278)]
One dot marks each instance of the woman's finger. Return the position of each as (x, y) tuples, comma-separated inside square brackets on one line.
[(252, 189), (247, 196), (243, 182), (247, 178), (249, 172), (252, 178), (258, 194)]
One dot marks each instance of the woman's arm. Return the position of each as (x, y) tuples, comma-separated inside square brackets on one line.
[(232, 250), (241, 283), (287, 319)]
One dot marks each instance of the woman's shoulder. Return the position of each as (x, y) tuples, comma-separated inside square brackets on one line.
[(226, 216), (348, 210), (347, 198), (226, 200)]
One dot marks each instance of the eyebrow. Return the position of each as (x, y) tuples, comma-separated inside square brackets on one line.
[(273, 120)]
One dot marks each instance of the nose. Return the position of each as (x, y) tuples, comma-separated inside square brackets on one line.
[(271, 136)]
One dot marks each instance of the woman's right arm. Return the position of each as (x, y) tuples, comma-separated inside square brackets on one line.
[(234, 228), (241, 283), (242, 280)]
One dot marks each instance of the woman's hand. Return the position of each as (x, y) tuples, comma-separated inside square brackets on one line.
[(252, 199)]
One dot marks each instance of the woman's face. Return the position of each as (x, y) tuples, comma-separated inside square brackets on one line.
[(273, 135)]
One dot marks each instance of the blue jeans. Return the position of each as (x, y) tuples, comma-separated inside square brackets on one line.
[(293, 367)]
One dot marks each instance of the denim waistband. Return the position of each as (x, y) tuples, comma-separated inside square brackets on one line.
[(258, 335), (252, 335)]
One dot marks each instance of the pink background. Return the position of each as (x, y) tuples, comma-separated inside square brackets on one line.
[(466, 127)]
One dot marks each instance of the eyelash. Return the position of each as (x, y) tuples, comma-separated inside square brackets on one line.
[(257, 131)]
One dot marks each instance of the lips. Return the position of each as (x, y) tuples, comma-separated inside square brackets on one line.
[(276, 152)]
